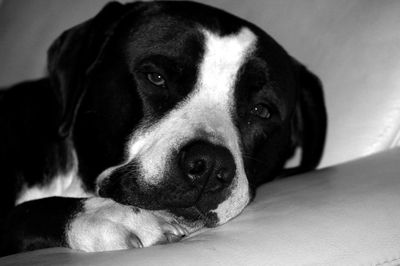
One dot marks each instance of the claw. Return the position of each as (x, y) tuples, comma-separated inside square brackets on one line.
[(134, 241), (173, 232), (182, 231), (172, 238)]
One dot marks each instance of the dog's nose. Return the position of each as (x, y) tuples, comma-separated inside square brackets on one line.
[(207, 165)]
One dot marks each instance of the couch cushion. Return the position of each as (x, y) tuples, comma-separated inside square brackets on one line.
[(343, 215)]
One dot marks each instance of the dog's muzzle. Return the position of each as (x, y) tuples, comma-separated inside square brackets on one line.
[(196, 181)]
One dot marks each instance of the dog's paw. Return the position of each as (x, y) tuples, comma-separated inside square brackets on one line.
[(104, 224)]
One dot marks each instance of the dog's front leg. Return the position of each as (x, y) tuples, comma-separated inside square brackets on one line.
[(90, 224)]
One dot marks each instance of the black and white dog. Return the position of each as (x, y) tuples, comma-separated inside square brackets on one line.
[(156, 119)]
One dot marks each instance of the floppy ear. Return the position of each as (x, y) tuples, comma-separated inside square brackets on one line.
[(309, 122), (71, 56)]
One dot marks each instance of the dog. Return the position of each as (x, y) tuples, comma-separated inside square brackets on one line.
[(155, 119)]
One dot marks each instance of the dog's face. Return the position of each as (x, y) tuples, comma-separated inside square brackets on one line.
[(191, 107)]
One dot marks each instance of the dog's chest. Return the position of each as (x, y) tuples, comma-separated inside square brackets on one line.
[(62, 185)]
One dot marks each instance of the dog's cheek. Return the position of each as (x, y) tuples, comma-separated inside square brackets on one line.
[(127, 190), (269, 157)]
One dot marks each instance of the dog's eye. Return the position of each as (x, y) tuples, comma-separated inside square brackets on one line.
[(156, 79), (261, 110)]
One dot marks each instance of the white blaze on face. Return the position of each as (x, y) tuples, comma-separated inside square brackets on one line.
[(218, 75), (208, 109)]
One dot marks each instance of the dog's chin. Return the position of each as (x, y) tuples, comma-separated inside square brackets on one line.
[(195, 219)]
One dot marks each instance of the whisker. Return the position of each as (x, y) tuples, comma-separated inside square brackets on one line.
[(254, 159)]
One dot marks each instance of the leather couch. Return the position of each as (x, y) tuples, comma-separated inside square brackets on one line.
[(345, 213)]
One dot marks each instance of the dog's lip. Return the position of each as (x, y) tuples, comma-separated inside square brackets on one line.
[(209, 218), (206, 216), (194, 217)]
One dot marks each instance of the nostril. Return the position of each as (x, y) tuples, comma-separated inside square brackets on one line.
[(196, 161), (222, 175), (197, 167)]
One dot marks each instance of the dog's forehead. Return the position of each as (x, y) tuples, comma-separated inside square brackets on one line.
[(176, 29), (163, 34)]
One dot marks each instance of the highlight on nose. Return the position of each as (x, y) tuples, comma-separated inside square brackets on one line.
[(208, 165)]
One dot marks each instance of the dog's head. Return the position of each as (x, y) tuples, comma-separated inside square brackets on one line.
[(183, 107)]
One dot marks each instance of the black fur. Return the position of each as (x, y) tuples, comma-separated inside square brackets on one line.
[(27, 230), (31, 151)]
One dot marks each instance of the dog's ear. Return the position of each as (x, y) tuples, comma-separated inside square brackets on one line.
[(309, 123), (72, 55)]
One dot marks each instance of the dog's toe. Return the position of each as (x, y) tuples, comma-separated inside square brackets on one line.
[(173, 232)]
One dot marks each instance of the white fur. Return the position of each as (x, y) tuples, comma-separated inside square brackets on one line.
[(294, 161), (105, 225), (208, 109), (65, 185)]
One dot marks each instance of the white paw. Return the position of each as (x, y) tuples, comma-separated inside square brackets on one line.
[(104, 225)]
